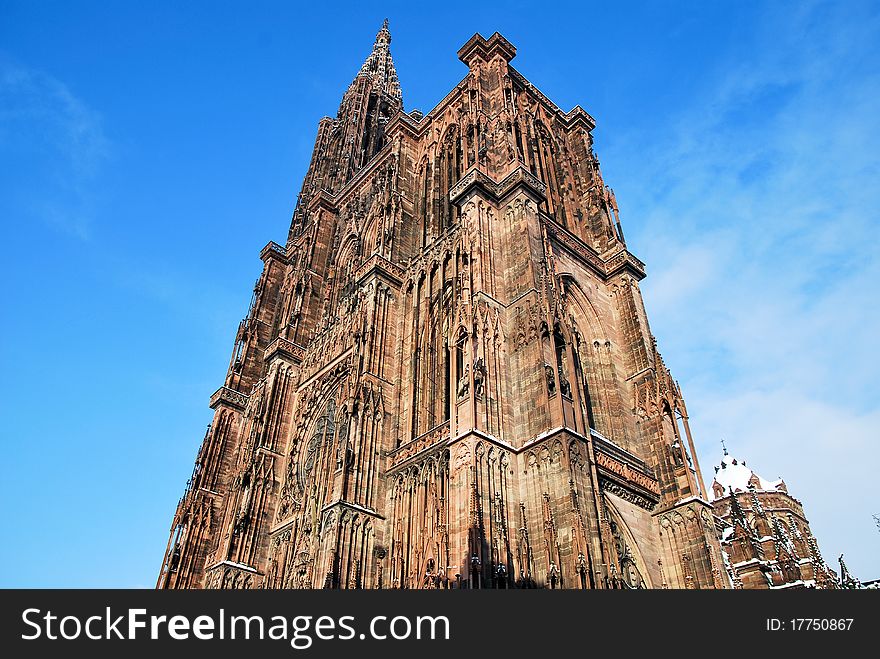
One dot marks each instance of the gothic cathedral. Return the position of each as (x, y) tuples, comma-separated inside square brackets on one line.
[(446, 377)]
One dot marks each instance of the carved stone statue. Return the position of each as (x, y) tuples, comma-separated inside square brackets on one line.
[(464, 383), (551, 379), (479, 377), (564, 384)]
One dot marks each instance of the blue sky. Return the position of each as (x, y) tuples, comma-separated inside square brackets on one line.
[(149, 150)]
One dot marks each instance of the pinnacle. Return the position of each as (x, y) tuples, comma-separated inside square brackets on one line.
[(380, 66)]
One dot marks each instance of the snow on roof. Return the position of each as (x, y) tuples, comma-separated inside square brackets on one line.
[(731, 473)]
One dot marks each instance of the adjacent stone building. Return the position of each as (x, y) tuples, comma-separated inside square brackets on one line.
[(767, 542), (446, 377)]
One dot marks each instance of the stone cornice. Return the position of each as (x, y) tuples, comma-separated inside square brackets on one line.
[(435, 439), (340, 503), (421, 445), (624, 474), (404, 122), (498, 190), (571, 119), (486, 49), (379, 265), (546, 435), (228, 397), (684, 503), (326, 368), (577, 116), (234, 566), (417, 128), (622, 456), (332, 201), (627, 493), (273, 250), (620, 261), (323, 198), (625, 260), (281, 347)]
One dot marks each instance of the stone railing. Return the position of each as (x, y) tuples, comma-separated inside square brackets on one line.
[(274, 249), (624, 474), (627, 473), (381, 263), (225, 395), (435, 436), (285, 348)]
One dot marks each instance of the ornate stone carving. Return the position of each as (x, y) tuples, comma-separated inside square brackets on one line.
[(230, 397), (627, 494), (454, 309)]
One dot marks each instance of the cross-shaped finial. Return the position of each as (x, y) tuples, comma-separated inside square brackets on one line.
[(723, 447)]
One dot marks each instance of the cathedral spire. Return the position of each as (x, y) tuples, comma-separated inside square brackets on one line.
[(380, 67), (348, 142)]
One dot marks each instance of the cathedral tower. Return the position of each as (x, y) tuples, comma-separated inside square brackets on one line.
[(446, 377)]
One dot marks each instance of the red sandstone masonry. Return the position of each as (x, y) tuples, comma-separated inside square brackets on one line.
[(446, 377)]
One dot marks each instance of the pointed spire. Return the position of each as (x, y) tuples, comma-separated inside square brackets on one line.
[(380, 66), (814, 551), (736, 512), (783, 538), (847, 580), (756, 504)]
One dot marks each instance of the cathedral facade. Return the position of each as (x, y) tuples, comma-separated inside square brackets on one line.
[(446, 377)]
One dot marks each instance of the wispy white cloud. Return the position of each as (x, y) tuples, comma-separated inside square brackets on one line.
[(55, 146), (758, 227)]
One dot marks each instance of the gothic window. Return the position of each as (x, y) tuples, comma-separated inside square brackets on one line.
[(447, 382), (549, 172), (432, 372), (323, 435), (629, 575), (425, 215), (415, 362), (581, 376), (519, 141)]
